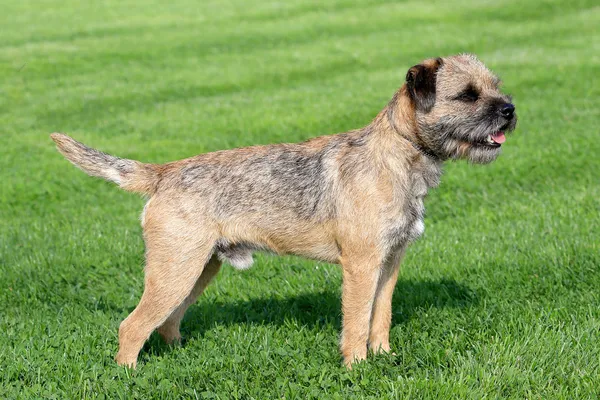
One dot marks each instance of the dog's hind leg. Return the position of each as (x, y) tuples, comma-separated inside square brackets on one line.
[(169, 330), (174, 262)]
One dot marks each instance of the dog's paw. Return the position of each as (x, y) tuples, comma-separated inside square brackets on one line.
[(124, 361)]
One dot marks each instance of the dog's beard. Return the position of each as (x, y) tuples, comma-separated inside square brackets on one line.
[(475, 153), (477, 139)]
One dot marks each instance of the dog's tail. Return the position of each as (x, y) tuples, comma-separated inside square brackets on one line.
[(130, 175)]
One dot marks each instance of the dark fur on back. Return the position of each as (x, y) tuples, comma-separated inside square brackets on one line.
[(251, 180)]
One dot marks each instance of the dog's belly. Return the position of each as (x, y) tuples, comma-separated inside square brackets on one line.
[(241, 240), (240, 255)]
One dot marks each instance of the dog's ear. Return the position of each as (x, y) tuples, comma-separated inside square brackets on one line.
[(420, 82)]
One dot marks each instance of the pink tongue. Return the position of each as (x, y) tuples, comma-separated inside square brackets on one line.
[(499, 137)]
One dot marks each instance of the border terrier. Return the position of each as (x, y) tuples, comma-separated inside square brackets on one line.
[(354, 198)]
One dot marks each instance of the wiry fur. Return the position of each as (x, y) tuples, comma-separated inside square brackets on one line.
[(355, 199), (130, 175)]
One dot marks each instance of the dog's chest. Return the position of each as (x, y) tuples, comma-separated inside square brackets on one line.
[(407, 223), (415, 210)]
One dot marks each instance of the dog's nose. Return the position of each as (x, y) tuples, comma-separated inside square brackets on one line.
[(507, 110)]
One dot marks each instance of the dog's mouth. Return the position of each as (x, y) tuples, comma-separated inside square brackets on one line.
[(494, 140)]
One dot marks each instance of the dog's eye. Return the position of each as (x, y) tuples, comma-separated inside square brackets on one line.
[(469, 95)]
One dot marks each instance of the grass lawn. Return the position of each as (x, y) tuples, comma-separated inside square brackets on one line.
[(499, 298)]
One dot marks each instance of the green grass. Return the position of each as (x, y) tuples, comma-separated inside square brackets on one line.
[(500, 298)]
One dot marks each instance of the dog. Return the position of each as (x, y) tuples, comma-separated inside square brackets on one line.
[(354, 198)]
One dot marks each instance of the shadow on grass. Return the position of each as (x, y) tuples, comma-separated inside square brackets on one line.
[(314, 309)]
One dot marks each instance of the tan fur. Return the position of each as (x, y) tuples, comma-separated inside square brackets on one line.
[(355, 199)]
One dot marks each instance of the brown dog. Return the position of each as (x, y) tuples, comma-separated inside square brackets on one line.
[(354, 198)]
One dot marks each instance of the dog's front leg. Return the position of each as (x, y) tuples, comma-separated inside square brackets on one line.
[(360, 278), (379, 336)]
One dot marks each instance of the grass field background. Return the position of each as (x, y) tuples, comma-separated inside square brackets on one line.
[(500, 298)]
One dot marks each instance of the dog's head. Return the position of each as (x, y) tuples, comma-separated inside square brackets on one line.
[(459, 110)]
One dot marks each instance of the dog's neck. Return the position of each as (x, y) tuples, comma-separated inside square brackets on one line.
[(423, 150), (399, 115), (396, 122)]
